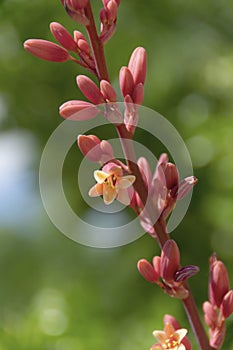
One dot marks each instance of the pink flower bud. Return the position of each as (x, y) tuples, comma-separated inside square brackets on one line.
[(77, 14), (144, 168), (217, 336), (46, 50), (78, 110), (63, 36), (156, 264), (103, 16), (170, 261), (147, 271), (89, 146), (107, 91), (186, 272), (126, 81), (78, 35), (89, 89), (84, 46), (185, 186), (106, 152), (219, 281), (210, 314), (111, 11), (227, 304), (138, 94), (171, 176), (137, 65)]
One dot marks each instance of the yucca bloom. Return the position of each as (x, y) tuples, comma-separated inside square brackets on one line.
[(169, 338), (112, 184)]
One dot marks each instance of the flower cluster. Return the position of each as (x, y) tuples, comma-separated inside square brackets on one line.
[(166, 272), (164, 189), (220, 304)]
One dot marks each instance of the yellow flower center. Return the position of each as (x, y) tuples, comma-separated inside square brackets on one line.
[(171, 342)]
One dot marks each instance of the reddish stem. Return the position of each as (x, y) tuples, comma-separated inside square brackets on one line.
[(97, 46), (139, 185)]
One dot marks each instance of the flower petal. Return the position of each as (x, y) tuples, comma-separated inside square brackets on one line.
[(100, 176), (123, 196), (160, 335), (96, 190), (126, 181), (109, 194), (180, 333)]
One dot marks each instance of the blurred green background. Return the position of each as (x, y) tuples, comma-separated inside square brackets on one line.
[(54, 293)]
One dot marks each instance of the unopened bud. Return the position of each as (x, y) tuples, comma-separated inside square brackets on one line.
[(156, 264), (171, 176), (63, 36), (107, 91), (138, 94), (89, 89), (170, 260), (227, 304), (137, 65), (219, 281), (147, 271), (78, 110), (210, 314), (217, 336), (46, 50), (126, 81)]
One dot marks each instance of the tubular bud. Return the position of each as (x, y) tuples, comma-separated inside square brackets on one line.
[(170, 260), (63, 36), (137, 65), (89, 89), (147, 271), (46, 50)]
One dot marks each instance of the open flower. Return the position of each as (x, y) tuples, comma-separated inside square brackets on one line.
[(169, 338), (111, 184)]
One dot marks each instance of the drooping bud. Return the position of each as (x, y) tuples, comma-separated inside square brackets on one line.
[(89, 89), (107, 91), (186, 272), (78, 110), (46, 50), (227, 304), (219, 282), (137, 65), (126, 81), (147, 271), (63, 36), (170, 261)]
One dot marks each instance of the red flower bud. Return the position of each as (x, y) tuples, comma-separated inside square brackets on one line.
[(78, 110), (107, 91), (137, 65), (147, 271), (219, 282), (171, 176), (227, 304), (89, 89), (46, 50), (63, 36), (126, 81), (170, 261)]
